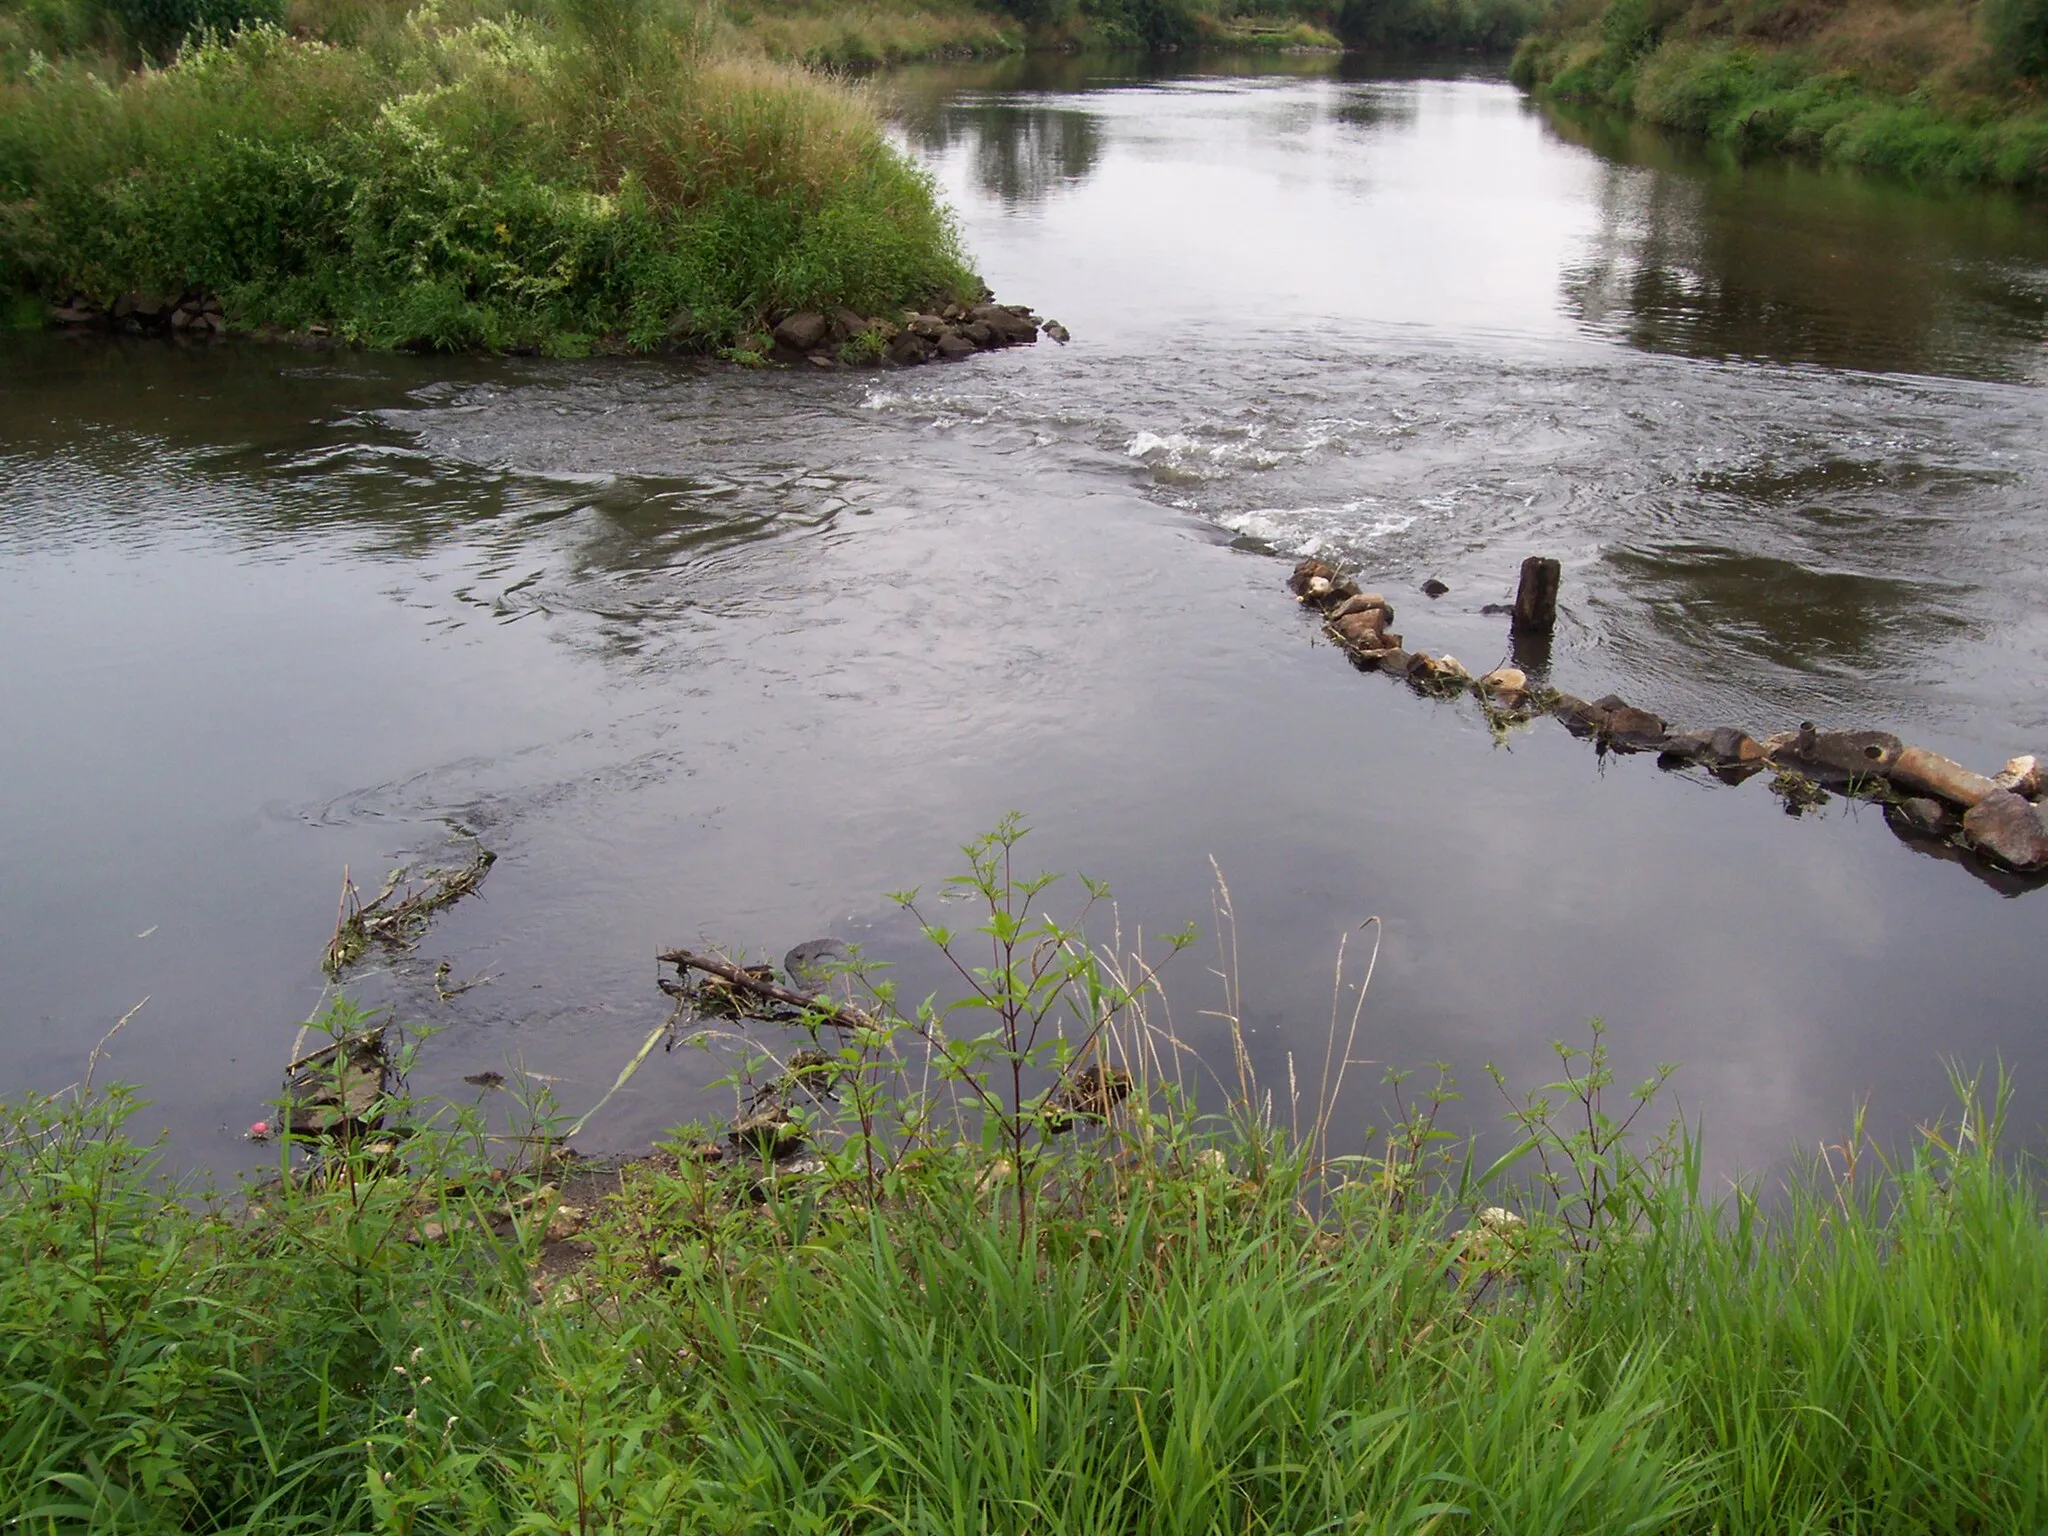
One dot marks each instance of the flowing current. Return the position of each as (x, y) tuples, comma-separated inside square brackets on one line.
[(725, 656)]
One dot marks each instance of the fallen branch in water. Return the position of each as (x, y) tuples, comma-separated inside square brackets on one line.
[(747, 981), (398, 914)]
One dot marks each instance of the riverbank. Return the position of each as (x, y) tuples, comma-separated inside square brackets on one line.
[(588, 175), (1191, 1326), (1947, 92)]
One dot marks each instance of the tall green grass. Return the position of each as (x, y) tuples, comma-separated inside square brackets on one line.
[(1958, 112), (591, 173), (1163, 1324)]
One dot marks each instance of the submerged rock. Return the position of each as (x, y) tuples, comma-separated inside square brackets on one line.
[(1917, 813), (1577, 715), (1433, 588), (2010, 828)]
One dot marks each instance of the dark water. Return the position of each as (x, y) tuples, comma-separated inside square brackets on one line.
[(727, 656)]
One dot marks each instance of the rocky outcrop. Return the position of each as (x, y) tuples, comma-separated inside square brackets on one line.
[(907, 338), (194, 315), (1997, 826)]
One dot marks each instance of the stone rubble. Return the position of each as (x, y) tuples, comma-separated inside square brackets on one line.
[(1998, 823)]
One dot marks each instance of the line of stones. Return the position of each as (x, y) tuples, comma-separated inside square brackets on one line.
[(2001, 817)]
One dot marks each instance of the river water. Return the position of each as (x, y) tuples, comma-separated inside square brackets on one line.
[(708, 655)]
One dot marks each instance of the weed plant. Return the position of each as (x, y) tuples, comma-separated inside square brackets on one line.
[(965, 1320)]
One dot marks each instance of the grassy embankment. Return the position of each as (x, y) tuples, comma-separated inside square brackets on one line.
[(472, 174), (1949, 90), (1183, 1327)]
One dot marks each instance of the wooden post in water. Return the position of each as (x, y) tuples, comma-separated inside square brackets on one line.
[(1536, 598)]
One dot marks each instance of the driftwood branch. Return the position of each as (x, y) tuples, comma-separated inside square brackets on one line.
[(838, 1015)]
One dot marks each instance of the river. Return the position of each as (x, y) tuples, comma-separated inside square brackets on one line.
[(724, 656)]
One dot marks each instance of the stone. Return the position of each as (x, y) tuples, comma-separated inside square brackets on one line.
[(2010, 828), (1844, 754), (1307, 571), (953, 346), (1013, 325), (1920, 772), (1330, 591), (1057, 332), (1916, 813), (930, 327), (1578, 716), (1685, 747), (847, 324), (1363, 602), (2021, 775), (1634, 729), (1433, 588), (802, 331), (1729, 746), (1505, 680), (1393, 659), (981, 334), (566, 1223), (1363, 631), (907, 349), (1777, 742)]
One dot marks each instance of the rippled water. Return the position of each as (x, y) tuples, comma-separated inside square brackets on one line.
[(719, 655)]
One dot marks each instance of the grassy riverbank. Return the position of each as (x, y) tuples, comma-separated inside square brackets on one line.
[(1014, 1283), (555, 176), (1174, 1345), (1945, 91)]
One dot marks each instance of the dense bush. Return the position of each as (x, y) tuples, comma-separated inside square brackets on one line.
[(2018, 33), (505, 183)]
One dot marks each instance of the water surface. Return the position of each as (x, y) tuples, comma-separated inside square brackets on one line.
[(724, 656)]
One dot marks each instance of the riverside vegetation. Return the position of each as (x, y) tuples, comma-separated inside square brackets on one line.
[(1942, 90), (967, 1313), (555, 175)]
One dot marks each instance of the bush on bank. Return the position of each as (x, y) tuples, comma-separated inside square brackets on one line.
[(1939, 93), (1003, 1298), (591, 171)]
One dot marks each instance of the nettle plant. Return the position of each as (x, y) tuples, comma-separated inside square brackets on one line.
[(1050, 1033)]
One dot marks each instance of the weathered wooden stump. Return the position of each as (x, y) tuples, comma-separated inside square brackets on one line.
[(1536, 598)]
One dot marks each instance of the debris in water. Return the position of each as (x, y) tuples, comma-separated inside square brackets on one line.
[(398, 915), (260, 1131), (336, 1090), (485, 1079)]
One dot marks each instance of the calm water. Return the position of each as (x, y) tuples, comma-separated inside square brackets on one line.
[(719, 656)]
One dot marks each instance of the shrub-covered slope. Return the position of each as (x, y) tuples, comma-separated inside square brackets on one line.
[(1939, 89)]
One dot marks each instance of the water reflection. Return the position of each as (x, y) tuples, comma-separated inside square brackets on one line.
[(1698, 255), (1022, 154)]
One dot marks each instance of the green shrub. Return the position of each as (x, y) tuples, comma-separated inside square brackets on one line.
[(160, 27), (501, 184), (2018, 33)]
